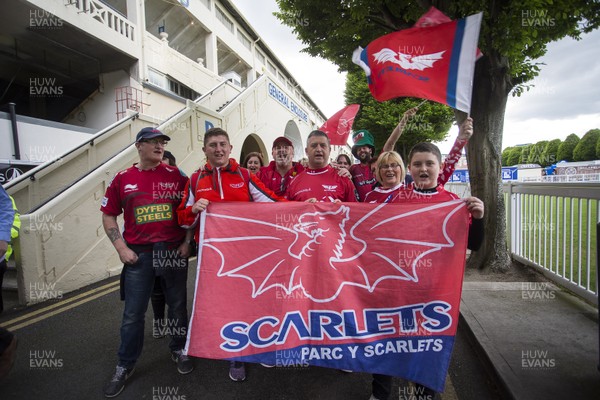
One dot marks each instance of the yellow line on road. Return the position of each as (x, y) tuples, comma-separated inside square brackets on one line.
[(60, 310), (62, 303)]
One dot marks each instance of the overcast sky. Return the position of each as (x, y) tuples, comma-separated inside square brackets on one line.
[(565, 99)]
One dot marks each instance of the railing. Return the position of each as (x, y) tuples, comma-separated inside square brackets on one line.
[(219, 96), (46, 180), (565, 178), (106, 15), (62, 243), (552, 227)]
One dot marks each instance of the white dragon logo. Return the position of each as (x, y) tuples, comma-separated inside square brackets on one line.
[(408, 61)]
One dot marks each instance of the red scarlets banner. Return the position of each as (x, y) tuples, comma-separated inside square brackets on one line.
[(339, 125), (434, 62), (366, 287)]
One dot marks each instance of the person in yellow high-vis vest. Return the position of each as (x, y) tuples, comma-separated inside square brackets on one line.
[(14, 233), (8, 341)]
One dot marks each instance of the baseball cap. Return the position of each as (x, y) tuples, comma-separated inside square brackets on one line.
[(150, 133), (283, 140)]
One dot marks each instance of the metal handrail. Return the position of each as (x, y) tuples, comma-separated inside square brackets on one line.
[(247, 90), (210, 92), (31, 173)]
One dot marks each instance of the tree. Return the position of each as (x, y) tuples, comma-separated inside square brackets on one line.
[(586, 148), (430, 124), (515, 156), (505, 155), (598, 150), (535, 154), (565, 150), (513, 35), (525, 154), (550, 154)]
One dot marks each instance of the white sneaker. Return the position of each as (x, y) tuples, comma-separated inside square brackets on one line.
[(373, 398)]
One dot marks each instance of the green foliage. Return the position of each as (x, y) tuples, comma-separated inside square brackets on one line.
[(430, 124), (535, 153), (550, 154), (514, 156), (505, 155), (524, 159), (565, 150), (586, 148), (597, 149), (514, 34)]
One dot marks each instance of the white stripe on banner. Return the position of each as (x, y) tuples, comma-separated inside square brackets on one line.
[(466, 65)]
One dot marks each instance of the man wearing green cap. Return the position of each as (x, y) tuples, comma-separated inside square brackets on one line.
[(364, 150)]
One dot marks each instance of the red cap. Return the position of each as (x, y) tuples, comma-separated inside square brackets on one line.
[(282, 139)]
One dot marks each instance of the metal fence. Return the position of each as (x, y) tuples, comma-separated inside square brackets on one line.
[(552, 227), (564, 178)]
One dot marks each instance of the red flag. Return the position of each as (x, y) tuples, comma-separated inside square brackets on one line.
[(435, 17), (331, 285), (339, 125), (435, 63)]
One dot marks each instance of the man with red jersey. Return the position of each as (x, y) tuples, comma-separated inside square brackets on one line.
[(364, 151), (320, 181), (221, 179), (152, 244), (280, 172)]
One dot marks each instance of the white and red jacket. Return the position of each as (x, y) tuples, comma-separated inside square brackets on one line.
[(229, 183)]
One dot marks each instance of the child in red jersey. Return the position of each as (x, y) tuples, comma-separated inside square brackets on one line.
[(424, 164)]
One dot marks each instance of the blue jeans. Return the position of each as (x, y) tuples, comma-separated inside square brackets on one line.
[(138, 281)]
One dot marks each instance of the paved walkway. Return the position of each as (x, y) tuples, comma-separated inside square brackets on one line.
[(542, 342)]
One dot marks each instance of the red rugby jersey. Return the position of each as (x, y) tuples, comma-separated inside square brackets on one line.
[(148, 200), (324, 184)]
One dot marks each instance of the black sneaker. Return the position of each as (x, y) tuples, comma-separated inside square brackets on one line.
[(117, 383), (184, 363)]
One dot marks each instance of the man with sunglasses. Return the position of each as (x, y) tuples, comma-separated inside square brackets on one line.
[(153, 244)]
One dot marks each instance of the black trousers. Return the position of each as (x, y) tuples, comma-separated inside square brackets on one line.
[(5, 338)]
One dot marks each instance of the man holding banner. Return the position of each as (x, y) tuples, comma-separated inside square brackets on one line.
[(424, 164), (320, 181), (360, 293), (222, 179)]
